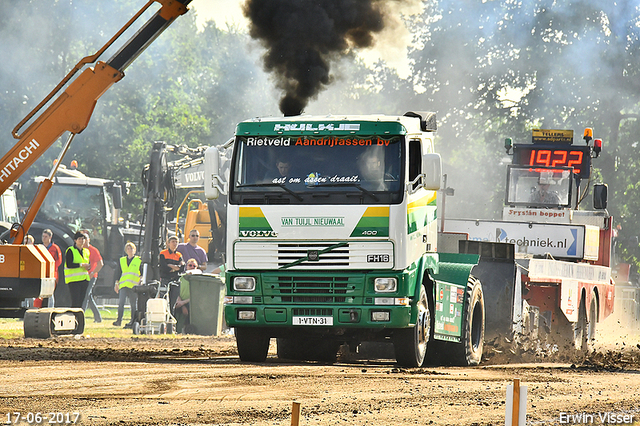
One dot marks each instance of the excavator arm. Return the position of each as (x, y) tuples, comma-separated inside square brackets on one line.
[(27, 271), (72, 109)]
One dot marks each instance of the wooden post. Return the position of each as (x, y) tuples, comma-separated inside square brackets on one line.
[(516, 402), (295, 414)]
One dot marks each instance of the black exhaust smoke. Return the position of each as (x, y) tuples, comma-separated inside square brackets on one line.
[(302, 37)]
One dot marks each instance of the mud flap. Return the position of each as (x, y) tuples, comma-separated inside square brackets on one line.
[(451, 281), (500, 278), (47, 322)]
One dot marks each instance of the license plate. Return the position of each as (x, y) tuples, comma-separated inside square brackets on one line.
[(312, 320)]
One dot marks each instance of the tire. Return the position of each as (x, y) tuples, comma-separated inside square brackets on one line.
[(584, 331), (410, 344), (580, 338), (593, 320), (252, 344), (469, 350)]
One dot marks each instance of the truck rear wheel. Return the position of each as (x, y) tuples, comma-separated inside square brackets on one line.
[(469, 350), (410, 344), (252, 344)]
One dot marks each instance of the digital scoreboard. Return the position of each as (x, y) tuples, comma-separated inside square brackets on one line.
[(537, 155)]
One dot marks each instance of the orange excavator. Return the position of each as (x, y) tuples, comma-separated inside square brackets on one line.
[(27, 270)]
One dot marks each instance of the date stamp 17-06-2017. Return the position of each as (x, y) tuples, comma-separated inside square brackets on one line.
[(38, 418)]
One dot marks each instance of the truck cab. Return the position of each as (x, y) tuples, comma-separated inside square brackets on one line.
[(332, 239)]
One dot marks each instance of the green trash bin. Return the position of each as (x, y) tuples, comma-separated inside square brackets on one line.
[(206, 303)]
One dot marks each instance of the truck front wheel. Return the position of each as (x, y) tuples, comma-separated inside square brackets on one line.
[(410, 344), (252, 344)]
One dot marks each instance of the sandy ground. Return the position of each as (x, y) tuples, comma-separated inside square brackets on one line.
[(200, 380)]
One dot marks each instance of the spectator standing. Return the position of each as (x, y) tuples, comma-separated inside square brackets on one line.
[(191, 249), (96, 263), (128, 273), (56, 253), (76, 270), (171, 263)]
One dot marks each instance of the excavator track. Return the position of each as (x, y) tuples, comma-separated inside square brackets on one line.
[(47, 322)]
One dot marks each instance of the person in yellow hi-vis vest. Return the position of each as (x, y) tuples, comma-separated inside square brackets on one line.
[(76, 270), (128, 273)]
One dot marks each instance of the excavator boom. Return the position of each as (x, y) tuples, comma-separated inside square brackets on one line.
[(61, 112), (71, 111)]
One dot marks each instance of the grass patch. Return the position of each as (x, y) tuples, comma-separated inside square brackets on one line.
[(12, 328)]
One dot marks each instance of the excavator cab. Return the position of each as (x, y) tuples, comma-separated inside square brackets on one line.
[(209, 220)]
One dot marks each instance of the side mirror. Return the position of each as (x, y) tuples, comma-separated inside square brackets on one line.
[(116, 193), (600, 196), (432, 170), (211, 173)]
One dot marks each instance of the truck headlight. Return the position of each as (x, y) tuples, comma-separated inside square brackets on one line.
[(386, 285), (244, 283)]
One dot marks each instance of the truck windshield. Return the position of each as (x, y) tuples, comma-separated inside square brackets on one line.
[(536, 187), (318, 170)]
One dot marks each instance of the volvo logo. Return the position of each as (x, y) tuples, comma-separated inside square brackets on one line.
[(313, 255)]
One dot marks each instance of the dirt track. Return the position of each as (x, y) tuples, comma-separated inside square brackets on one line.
[(196, 380)]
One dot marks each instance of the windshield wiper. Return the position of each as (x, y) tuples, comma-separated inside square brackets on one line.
[(355, 185), (270, 185)]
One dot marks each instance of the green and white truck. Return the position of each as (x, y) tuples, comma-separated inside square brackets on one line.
[(332, 239)]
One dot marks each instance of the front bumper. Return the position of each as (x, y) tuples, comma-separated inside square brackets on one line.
[(318, 316)]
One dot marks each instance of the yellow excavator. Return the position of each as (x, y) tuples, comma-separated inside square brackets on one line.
[(27, 270)]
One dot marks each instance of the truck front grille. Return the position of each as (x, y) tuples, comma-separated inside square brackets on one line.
[(311, 255), (312, 289)]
